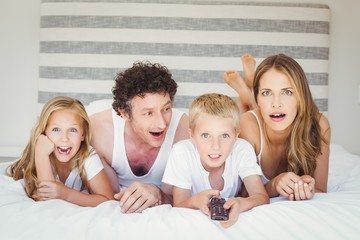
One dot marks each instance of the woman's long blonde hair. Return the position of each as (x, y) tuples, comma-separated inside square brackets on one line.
[(25, 166), (304, 141)]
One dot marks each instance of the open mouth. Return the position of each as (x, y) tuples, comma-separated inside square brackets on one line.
[(156, 134), (64, 150), (278, 115), (214, 156)]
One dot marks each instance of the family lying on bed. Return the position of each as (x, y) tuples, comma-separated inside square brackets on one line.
[(152, 154)]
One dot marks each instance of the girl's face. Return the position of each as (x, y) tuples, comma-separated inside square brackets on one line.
[(277, 100), (65, 130), (214, 138)]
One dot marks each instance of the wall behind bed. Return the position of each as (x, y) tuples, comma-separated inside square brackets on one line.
[(83, 44), (20, 58)]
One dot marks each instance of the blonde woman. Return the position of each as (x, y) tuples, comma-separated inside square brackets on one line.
[(57, 162), (290, 136)]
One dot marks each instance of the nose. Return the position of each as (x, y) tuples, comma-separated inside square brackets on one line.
[(215, 144), (64, 136), (276, 102), (160, 121)]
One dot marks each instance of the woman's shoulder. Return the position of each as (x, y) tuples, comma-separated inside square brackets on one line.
[(325, 127), (323, 121), (249, 128), (248, 120)]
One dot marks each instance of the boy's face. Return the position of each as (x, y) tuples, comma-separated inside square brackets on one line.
[(214, 138)]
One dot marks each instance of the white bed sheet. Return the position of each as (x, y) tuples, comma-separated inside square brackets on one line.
[(334, 215)]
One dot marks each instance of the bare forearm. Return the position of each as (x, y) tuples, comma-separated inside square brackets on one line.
[(43, 168), (253, 201), (271, 189), (189, 203), (83, 199), (166, 198)]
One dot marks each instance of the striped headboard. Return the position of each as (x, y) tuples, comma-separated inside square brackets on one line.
[(84, 43)]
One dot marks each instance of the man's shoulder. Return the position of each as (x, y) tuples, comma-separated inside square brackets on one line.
[(101, 118), (102, 131)]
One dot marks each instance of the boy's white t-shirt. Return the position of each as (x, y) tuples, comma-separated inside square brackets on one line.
[(184, 168)]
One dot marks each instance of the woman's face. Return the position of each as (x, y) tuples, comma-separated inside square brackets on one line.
[(277, 100)]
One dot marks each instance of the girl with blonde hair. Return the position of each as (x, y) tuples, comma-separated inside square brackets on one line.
[(58, 162)]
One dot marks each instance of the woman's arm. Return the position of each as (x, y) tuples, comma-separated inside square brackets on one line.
[(322, 162)]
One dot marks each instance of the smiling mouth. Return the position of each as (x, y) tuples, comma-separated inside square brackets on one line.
[(64, 150), (214, 156)]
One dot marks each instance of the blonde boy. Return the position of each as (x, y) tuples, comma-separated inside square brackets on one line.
[(214, 161)]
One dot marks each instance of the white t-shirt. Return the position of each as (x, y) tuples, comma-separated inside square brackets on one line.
[(93, 166), (184, 168)]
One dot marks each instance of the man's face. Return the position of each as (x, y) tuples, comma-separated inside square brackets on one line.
[(150, 118)]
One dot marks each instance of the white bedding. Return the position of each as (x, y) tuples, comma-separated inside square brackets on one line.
[(334, 215)]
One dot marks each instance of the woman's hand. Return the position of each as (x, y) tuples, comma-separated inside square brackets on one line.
[(295, 187), (304, 189), (284, 184)]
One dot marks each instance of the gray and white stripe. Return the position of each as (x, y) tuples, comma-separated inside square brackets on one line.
[(83, 44)]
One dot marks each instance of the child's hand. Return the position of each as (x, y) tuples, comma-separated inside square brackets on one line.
[(233, 205), (44, 146), (201, 199), (51, 190)]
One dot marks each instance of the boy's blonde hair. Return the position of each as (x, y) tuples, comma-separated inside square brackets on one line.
[(214, 104), (25, 166)]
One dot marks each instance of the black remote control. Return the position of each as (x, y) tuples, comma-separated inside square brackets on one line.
[(217, 210)]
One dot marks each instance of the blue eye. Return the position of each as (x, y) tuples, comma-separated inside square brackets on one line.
[(205, 135), (288, 92), (266, 93), (225, 135)]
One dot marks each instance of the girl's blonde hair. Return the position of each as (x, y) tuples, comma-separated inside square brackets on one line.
[(214, 104), (304, 141), (25, 166)]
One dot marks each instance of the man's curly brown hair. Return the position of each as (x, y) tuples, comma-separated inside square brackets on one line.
[(141, 78)]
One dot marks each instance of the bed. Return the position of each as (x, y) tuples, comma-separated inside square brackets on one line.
[(84, 43), (332, 215)]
